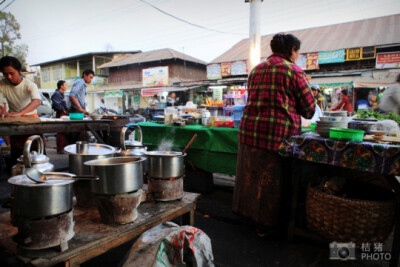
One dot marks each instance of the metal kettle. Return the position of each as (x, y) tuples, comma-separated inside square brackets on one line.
[(32, 159), (133, 147)]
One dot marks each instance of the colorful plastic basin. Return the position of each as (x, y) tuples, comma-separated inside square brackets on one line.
[(76, 116), (346, 134)]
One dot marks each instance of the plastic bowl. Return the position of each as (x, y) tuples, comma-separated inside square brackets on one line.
[(346, 134), (313, 126), (96, 117), (76, 116)]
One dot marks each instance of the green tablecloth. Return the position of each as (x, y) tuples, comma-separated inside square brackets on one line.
[(214, 150)]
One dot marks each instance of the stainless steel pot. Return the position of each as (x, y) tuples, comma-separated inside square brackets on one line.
[(81, 152), (33, 159), (132, 147), (365, 125), (166, 164), (117, 175), (33, 200)]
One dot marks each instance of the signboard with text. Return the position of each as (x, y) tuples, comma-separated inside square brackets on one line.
[(214, 71), (151, 91), (388, 60), (225, 69), (155, 76), (312, 61), (360, 53), (239, 68), (331, 57), (302, 61)]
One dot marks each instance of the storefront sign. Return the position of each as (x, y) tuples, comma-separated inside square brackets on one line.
[(388, 60), (217, 92), (214, 71), (100, 80), (302, 61), (151, 91), (239, 68), (360, 53), (155, 76), (225, 69), (113, 94), (312, 61), (331, 57)]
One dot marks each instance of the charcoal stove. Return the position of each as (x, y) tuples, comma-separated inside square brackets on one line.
[(119, 208), (165, 189), (45, 232)]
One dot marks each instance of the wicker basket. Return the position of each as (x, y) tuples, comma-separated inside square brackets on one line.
[(348, 220)]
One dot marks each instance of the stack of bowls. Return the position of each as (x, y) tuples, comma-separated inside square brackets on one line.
[(325, 123)]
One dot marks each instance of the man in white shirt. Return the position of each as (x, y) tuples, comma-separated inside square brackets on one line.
[(22, 94)]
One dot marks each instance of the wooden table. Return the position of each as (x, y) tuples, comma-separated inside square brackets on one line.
[(93, 238), (57, 126)]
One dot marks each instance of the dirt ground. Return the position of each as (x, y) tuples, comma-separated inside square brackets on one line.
[(234, 239)]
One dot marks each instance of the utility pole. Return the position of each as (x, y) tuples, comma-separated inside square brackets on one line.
[(254, 38)]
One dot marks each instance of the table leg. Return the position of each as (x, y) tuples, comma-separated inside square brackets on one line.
[(188, 218), (96, 135), (396, 237), (295, 176)]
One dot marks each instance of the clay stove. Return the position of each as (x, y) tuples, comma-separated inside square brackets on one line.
[(166, 189)]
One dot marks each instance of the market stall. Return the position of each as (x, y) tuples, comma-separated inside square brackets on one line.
[(375, 158)]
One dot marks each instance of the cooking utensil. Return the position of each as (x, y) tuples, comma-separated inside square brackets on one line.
[(165, 164), (36, 200), (133, 147), (76, 116), (189, 144), (346, 134), (39, 177), (117, 175)]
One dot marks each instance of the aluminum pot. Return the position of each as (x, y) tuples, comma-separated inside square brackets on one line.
[(117, 175), (132, 147), (34, 200), (166, 164), (364, 125), (84, 151)]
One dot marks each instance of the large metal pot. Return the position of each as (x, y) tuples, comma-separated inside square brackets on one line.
[(133, 147), (35, 200), (83, 151), (117, 175), (165, 164), (32, 159), (365, 125)]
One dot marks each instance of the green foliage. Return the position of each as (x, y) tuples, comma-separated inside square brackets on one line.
[(364, 114), (9, 33)]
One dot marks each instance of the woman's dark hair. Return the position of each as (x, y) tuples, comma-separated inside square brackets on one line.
[(60, 83), (344, 91), (8, 61), (283, 43), (87, 72), (398, 78)]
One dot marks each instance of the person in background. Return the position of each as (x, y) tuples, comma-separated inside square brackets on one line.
[(344, 104), (318, 112), (171, 99), (153, 102), (278, 95), (78, 93), (23, 98), (390, 101), (60, 107), (319, 96)]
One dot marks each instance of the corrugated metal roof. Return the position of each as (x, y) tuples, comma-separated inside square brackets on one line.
[(86, 55), (156, 55), (369, 32)]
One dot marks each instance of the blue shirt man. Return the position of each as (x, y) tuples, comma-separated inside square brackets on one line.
[(78, 93)]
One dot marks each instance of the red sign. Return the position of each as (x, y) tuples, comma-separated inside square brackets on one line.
[(225, 69), (388, 60), (151, 91), (312, 61)]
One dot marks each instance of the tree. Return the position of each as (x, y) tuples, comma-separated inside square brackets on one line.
[(9, 33)]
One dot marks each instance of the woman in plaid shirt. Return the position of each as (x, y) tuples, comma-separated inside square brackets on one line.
[(278, 95)]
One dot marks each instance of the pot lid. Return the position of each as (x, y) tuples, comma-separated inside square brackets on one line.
[(133, 143), (114, 161), (164, 153), (94, 149), (135, 151), (23, 180), (35, 158)]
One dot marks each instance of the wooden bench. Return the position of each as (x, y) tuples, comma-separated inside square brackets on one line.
[(93, 238)]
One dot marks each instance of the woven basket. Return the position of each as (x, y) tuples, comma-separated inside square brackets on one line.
[(348, 220)]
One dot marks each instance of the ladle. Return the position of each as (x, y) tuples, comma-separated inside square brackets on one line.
[(189, 144), (39, 177)]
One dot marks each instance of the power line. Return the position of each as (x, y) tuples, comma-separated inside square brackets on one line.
[(8, 4), (188, 22)]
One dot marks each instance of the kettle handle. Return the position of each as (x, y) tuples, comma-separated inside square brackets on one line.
[(123, 132), (27, 149)]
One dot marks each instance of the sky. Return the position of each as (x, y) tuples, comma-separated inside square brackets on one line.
[(204, 29)]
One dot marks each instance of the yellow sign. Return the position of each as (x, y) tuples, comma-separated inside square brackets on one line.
[(360, 53), (353, 53)]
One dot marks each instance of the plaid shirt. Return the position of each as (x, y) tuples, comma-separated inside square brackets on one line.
[(278, 93)]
